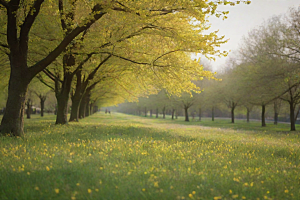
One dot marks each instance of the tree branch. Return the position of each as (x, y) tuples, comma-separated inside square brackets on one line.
[(4, 3), (28, 22), (42, 64)]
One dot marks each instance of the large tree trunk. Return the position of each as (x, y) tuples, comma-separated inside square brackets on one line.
[(82, 108), (13, 122), (263, 120), (76, 100), (292, 115), (62, 96), (186, 114)]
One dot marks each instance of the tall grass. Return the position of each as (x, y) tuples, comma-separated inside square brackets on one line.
[(126, 157)]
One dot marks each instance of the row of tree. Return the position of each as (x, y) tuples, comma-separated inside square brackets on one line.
[(99, 50), (263, 72)]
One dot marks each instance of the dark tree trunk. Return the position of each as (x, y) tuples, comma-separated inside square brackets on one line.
[(87, 106), (213, 114), (20, 75), (145, 112), (297, 113), (173, 112), (156, 112), (76, 100), (232, 114), (186, 114), (150, 112), (42, 102), (13, 122), (248, 115), (164, 112), (82, 108), (292, 115), (91, 105), (275, 118), (62, 96), (199, 114), (263, 120), (29, 108)]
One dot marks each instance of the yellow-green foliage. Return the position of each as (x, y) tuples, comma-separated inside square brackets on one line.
[(124, 157)]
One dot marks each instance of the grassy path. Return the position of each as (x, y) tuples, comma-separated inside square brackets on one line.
[(127, 157)]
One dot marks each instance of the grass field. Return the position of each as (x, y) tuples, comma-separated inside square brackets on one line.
[(127, 157)]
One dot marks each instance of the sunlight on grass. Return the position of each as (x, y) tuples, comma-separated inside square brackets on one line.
[(126, 157)]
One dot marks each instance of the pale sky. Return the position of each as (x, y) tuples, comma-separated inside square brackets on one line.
[(242, 18)]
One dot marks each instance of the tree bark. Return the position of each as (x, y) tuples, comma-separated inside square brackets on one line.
[(186, 114), (42, 103), (173, 112), (76, 100), (248, 115), (62, 96), (213, 114), (29, 108), (263, 120), (156, 112), (232, 114), (13, 122), (82, 108), (292, 115), (145, 111), (164, 112), (275, 118)]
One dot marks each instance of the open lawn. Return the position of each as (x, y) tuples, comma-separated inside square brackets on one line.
[(120, 156)]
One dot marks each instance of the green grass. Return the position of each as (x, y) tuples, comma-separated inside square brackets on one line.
[(127, 157), (240, 124)]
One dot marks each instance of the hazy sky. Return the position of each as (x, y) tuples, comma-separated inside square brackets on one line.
[(242, 18)]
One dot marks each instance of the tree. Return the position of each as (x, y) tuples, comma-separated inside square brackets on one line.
[(23, 14)]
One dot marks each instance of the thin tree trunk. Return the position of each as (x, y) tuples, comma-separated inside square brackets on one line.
[(292, 116), (263, 120), (173, 112), (29, 108), (150, 112), (164, 112), (42, 102), (82, 108), (275, 118), (156, 112), (186, 114), (145, 111), (232, 114), (213, 114), (248, 115)]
